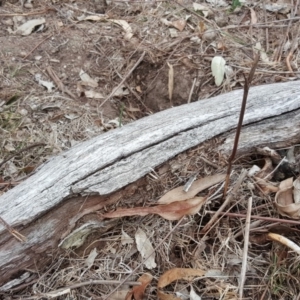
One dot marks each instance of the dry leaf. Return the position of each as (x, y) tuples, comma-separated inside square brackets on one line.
[(175, 275), (265, 172), (172, 211), (125, 238), (29, 26), (93, 95), (145, 248), (173, 32), (282, 7), (178, 194), (276, 158), (263, 55), (179, 209), (209, 35), (201, 26), (93, 18), (179, 24), (296, 191), (126, 27), (139, 291), (193, 295), (91, 258), (265, 186), (166, 22), (218, 69), (203, 8), (87, 80), (218, 3), (120, 91), (284, 201)]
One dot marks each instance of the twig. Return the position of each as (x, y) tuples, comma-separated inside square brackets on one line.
[(140, 264), (224, 204), (267, 29), (275, 220), (245, 251), (253, 225), (59, 83), (124, 79), (85, 11), (45, 39), (240, 123), (27, 14), (258, 71), (290, 55), (193, 12), (66, 290), (209, 162), (21, 238), (19, 152), (191, 91), (278, 53), (120, 76)]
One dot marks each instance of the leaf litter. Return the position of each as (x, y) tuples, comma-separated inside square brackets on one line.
[(104, 42)]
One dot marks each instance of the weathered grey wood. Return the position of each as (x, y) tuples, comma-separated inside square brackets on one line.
[(276, 132), (111, 161)]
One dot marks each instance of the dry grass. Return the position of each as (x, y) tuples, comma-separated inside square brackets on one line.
[(29, 115)]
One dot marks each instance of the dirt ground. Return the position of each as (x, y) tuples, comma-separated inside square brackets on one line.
[(87, 67)]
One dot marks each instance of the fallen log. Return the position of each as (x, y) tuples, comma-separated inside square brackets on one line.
[(46, 207)]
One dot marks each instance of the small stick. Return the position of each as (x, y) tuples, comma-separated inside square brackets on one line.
[(209, 162), (275, 220), (240, 123), (258, 71), (86, 11), (290, 55), (190, 182), (19, 152), (21, 238), (120, 76), (224, 204), (253, 225), (267, 29), (191, 91), (67, 289), (124, 79), (59, 83), (27, 14), (45, 39), (245, 251)]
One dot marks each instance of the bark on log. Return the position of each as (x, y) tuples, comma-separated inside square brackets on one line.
[(45, 207)]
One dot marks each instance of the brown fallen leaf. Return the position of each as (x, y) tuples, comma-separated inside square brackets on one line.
[(174, 275), (284, 200), (179, 24), (266, 171), (171, 212), (139, 291), (266, 186), (178, 194)]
